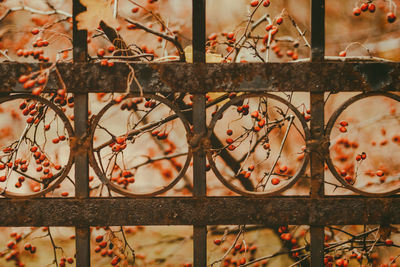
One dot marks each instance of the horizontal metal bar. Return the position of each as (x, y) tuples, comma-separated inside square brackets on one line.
[(199, 211), (201, 77)]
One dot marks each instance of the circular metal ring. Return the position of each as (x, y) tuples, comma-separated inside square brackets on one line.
[(300, 172), (60, 176), (118, 189), (328, 131)]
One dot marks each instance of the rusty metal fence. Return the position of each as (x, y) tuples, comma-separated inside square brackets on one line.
[(315, 77)]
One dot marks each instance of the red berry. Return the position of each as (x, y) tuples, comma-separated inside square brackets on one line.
[(343, 129), (266, 3), (268, 27), (10, 244), (238, 246), (391, 17), (255, 114), (37, 91), (119, 99), (286, 236), (115, 261), (212, 36), (230, 35), (61, 92), (283, 169), (342, 53), (348, 179), (20, 52), (357, 11), (339, 262), (101, 52), (275, 181), (344, 123), (29, 84), (217, 242), (254, 3), (364, 7), (104, 62), (111, 48), (30, 120), (229, 140), (371, 8), (135, 10), (35, 31), (120, 140), (229, 132), (23, 78), (231, 147), (380, 173), (279, 20), (388, 242)]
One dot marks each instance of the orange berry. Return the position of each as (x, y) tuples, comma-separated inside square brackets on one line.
[(254, 3), (217, 242), (101, 52), (391, 17), (275, 181), (357, 11), (35, 31)]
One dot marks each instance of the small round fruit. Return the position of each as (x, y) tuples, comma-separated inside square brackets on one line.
[(275, 181), (357, 11), (391, 17), (254, 3), (372, 8)]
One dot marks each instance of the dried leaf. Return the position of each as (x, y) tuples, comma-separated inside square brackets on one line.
[(96, 10), (118, 248), (210, 57)]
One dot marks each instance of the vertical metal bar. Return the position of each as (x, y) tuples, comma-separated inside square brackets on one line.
[(79, 36), (81, 160), (317, 175), (317, 30), (199, 30), (317, 129), (317, 133), (199, 181), (199, 121), (199, 159), (80, 121)]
